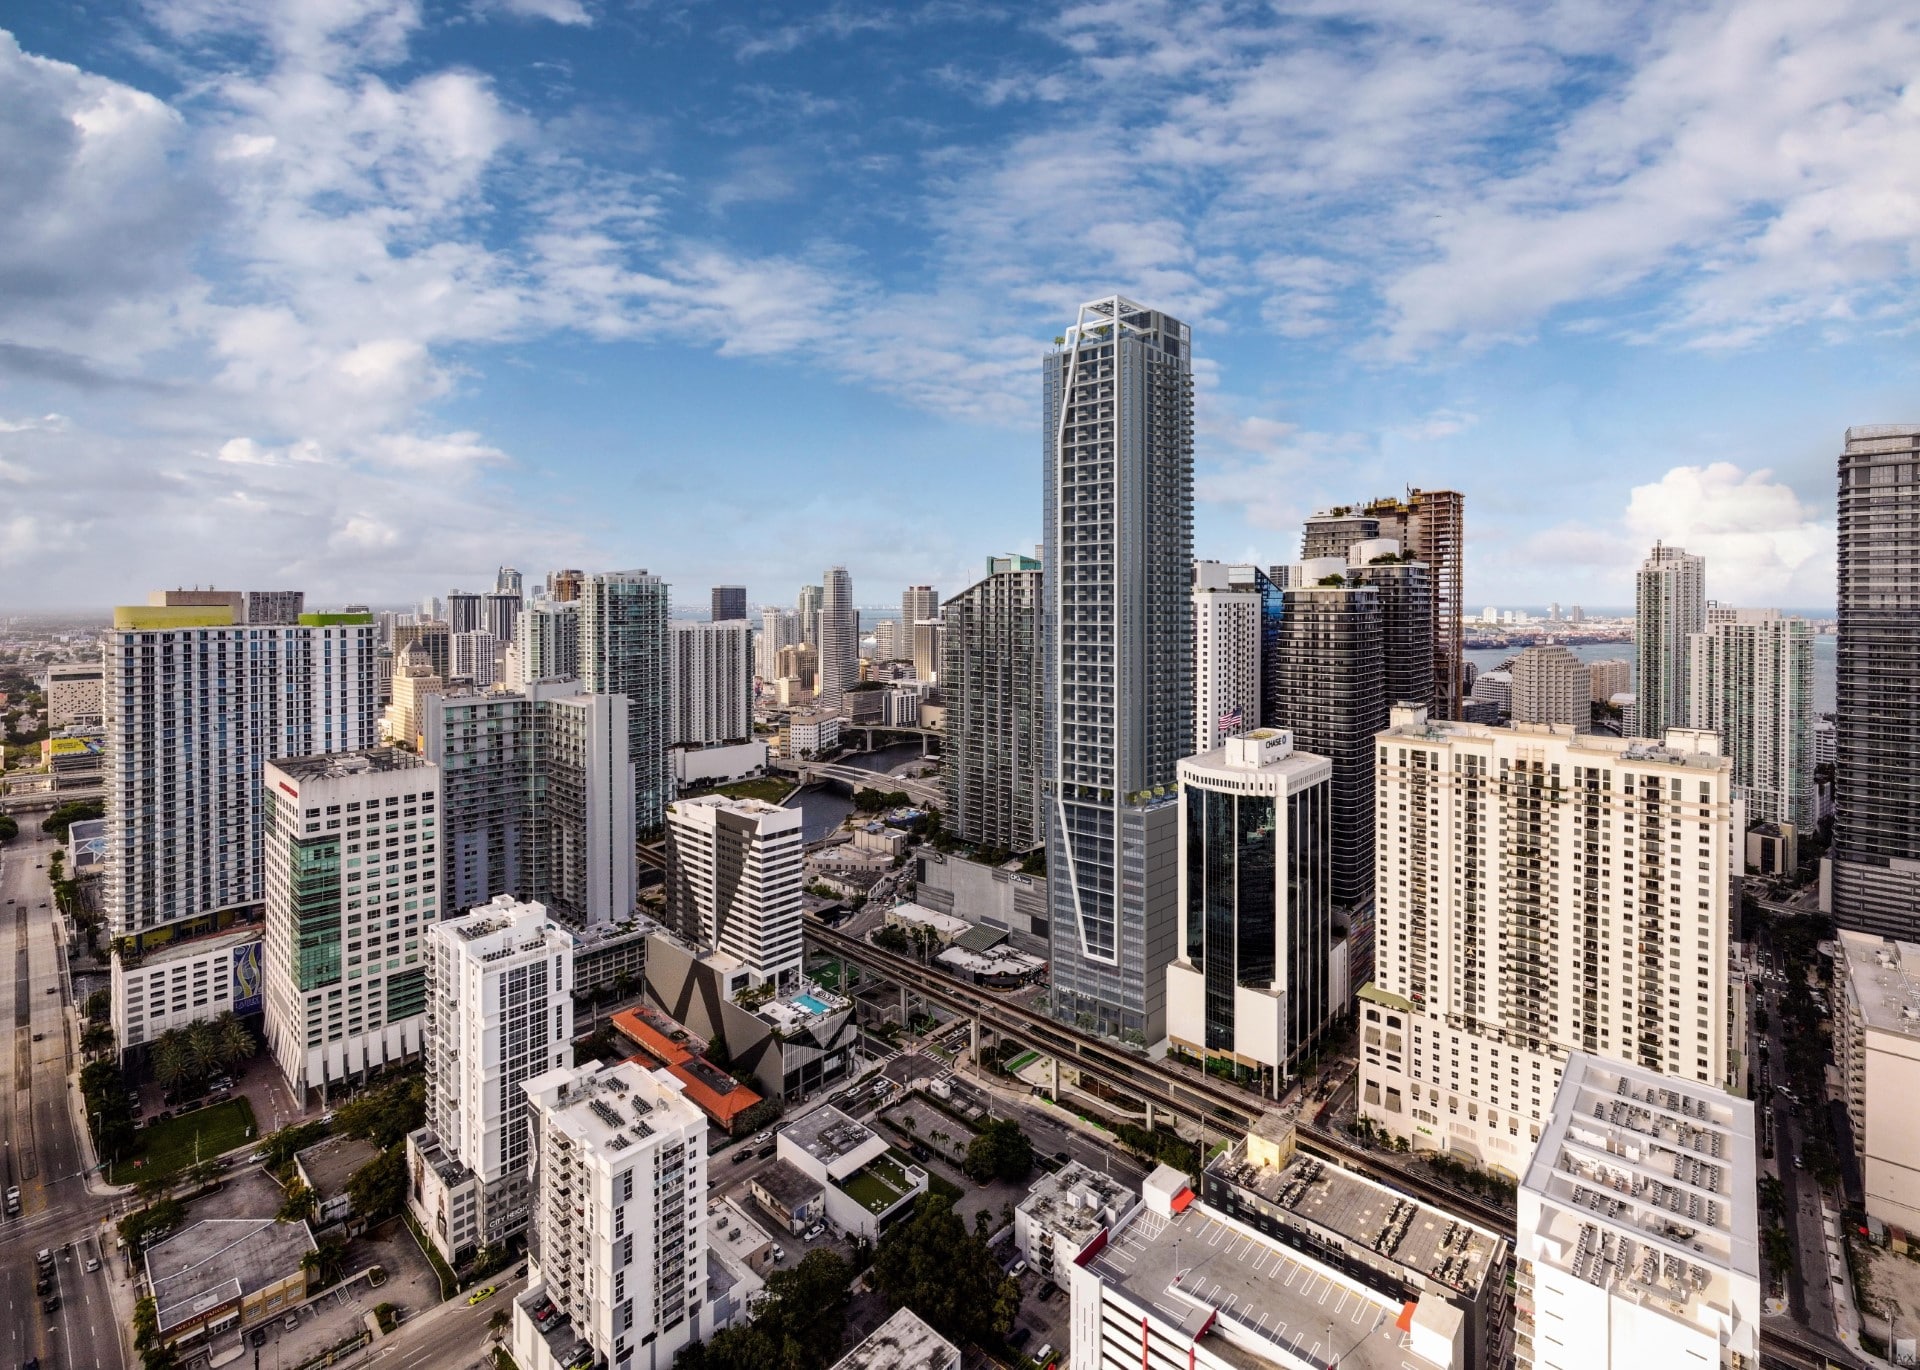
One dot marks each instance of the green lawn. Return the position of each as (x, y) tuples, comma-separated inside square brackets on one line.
[(165, 1149), (771, 788), (879, 1186)]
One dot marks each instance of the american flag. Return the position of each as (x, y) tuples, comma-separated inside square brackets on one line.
[(1230, 720)]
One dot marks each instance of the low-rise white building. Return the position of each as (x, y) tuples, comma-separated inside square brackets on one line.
[(1876, 1045), (810, 735), (867, 1185), (902, 1342), (180, 982), (717, 765), (1066, 1214), (1637, 1241)]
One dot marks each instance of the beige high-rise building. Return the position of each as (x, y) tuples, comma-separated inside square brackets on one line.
[(1552, 685), (1608, 678), (1540, 892)]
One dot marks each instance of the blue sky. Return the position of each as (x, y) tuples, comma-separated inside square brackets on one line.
[(368, 296)]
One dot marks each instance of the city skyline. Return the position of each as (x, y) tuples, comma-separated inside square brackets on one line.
[(373, 366)]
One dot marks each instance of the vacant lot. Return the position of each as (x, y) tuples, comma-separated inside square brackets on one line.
[(164, 1149)]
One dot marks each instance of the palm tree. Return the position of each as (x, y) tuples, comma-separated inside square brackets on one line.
[(171, 1063), (203, 1048), (236, 1044), (97, 1037)]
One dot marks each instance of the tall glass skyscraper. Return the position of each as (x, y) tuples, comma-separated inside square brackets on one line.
[(623, 650), (1117, 411), (839, 638), (1876, 831)]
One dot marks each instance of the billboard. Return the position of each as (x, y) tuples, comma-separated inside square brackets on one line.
[(246, 977)]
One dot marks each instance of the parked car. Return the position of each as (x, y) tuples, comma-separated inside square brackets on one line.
[(93, 1264), (1021, 1336), (258, 1337), (291, 1321), (13, 1198), (484, 1292), (1018, 1268), (50, 1304), (813, 1233), (762, 1137), (743, 1155)]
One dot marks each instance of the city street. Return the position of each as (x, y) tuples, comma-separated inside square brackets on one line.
[(451, 1336), (42, 1154)]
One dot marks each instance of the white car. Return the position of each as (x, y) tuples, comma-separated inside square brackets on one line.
[(812, 1232), (1018, 1268)]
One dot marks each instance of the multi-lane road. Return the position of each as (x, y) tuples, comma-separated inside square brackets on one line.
[(43, 1154)]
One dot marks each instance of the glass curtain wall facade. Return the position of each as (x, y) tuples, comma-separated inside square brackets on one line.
[(1117, 424), (991, 678), (623, 650), (1875, 875)]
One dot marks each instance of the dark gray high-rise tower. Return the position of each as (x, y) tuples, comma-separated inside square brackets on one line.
[(1117, 410), (1330, 690), (623, 650), (729, 603), (1876, 830), (839, 638)]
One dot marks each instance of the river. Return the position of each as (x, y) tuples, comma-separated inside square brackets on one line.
[(825, 806)]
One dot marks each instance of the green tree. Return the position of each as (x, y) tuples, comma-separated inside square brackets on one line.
[(67, 815), (300, 1204), (280, 1146), (947, 1275), (9, 827), (385, 1113), (799, 1326), (203, 1048), (172, 1063), (326, 1262), (96, 1037), (235, 1044), (99, 1005), (379, 1187), (1002, 1151)]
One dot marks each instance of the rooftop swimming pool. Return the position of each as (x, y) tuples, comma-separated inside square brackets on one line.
[(811, 1004)]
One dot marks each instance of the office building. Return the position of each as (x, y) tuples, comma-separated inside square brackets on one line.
[(991, 679), (811, 735), (1669, 606), (76, 694), (1638, 1241), (709, 682), (1117, 412), (1248, 986), (500, 983), (929, 648), (431, 610), (434, 640), (565, 586), (1551, 685), (1227, 649), (500, 614), (623, 650), (779, 628), (1874, 879), (1608, 678), (466, 612), (729, 603), (1406, 595), (507, 581), (1181, 1283), (807, 605), (1491, 698), (352, 863), (734, 871), (800, 664), (839, 638), (412, 682), (1430, 527), (892, 641), (1750, 679), (917, 603), (1541, 892), (548, 643), (1329, 690), (194, 705), (539, 798), (478, 659), (1876, 1046), (618, 1247)]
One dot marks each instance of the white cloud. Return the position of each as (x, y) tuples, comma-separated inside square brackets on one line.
[(1763, 546), (570, 12)]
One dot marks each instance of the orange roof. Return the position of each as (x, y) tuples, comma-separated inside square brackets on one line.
[(707, 1087), (649, 1038), (1405, 1321), (1181, 1200)]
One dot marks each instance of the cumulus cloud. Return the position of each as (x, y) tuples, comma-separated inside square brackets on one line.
[(1763, 545)]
